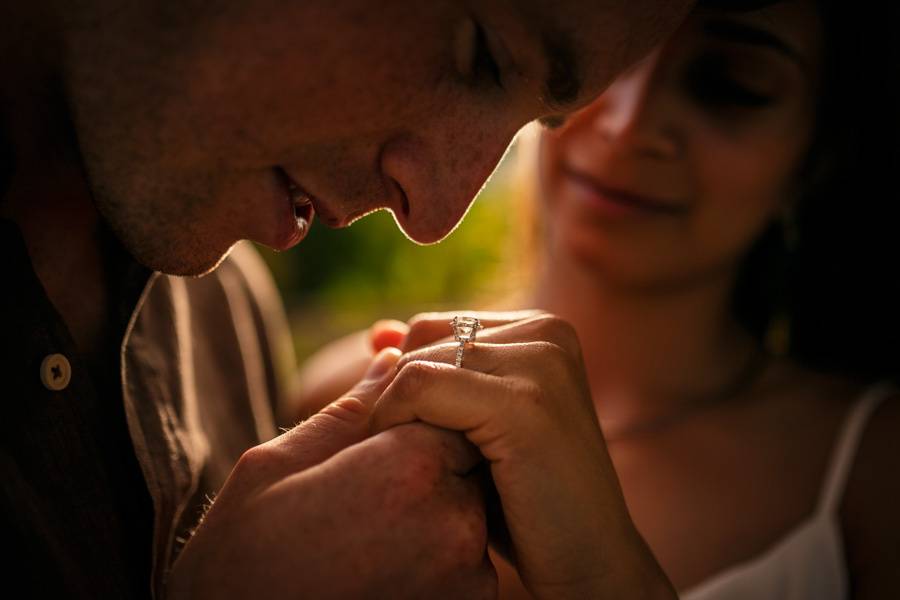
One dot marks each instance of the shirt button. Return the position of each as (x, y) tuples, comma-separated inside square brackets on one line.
[(55, 372)]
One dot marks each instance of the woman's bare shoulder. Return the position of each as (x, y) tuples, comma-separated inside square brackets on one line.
[(870, 505), (807, 401), (870, 509)]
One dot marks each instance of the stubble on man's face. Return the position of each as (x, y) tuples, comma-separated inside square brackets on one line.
[(185, 115)]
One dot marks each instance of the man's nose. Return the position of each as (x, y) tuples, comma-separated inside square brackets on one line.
[(632, 115), (438, 181)]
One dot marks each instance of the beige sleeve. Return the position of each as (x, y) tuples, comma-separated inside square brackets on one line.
[(271, 325)]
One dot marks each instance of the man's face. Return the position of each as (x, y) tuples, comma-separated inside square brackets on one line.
[(195, 119)]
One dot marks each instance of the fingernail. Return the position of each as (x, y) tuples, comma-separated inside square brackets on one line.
[(382, 363), (389, 332), (389, 324)]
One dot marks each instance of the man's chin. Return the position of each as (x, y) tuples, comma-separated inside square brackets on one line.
[(184, 263)]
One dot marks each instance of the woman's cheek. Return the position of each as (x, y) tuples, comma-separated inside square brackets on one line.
[(741, 194)]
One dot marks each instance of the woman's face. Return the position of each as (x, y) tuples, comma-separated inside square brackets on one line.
[(680, 165)]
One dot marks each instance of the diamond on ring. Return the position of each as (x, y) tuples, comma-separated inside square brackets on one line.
[(464, 331)]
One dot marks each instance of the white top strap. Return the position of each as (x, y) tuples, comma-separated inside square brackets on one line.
[(844, 452)]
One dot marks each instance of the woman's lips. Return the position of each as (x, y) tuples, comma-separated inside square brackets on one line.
[(629, 201)]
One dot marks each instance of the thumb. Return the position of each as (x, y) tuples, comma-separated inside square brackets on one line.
[(342, 423)]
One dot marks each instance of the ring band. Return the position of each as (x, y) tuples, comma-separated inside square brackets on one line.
[(464, 331)]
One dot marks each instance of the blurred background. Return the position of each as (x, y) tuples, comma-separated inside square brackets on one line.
[(339, 281)]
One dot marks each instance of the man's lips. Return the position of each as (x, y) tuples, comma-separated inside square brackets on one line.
[(622, 197), (300, 199), (295, 211), (304, 198)]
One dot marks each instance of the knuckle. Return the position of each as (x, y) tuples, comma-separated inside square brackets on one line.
[(434, 315), (529, 393), (405, 359), (412, 377), (256, 457), (550, 351), (416, 479), (425, 328), (258, 463), (560, 331), (467, 536), (550, 321), (428, 353), (414, 459), (422, 318), (346, 409), (527, 402), (422, 441)]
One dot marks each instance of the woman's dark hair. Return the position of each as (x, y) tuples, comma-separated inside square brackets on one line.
[(6, 163), (837, 286)]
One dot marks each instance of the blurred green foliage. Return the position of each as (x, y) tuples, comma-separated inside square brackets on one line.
[(338, 281)]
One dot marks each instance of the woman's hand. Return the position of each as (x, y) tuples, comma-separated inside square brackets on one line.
[(522, 398)]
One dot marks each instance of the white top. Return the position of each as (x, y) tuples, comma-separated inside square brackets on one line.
[(808, 562)]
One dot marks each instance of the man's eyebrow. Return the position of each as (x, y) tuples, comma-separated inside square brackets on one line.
[(743, 33), (562, 83)]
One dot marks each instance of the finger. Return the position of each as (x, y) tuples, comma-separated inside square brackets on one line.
[(483, 357), (428, 328), (340, 424), (542, 327), (526, 359), (387, 333), (482, 406), (534, 366), (538, 326), (450, 449)]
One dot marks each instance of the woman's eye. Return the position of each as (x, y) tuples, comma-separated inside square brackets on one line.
[(711, 85), (483, 63)]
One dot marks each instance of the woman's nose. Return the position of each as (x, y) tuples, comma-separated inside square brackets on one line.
[(633, 115)]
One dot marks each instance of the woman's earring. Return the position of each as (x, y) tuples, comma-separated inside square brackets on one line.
[(789, 232), (778, 333)]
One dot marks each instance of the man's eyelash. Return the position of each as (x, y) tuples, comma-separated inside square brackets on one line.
[(483, 62), (552, 121)]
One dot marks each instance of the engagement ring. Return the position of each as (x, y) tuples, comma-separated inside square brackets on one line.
[(464, 331)]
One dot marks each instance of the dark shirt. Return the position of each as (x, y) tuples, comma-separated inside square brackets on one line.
[(77, 515), (102, 477)]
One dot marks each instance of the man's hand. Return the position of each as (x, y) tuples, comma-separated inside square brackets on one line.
[(324, 512)]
